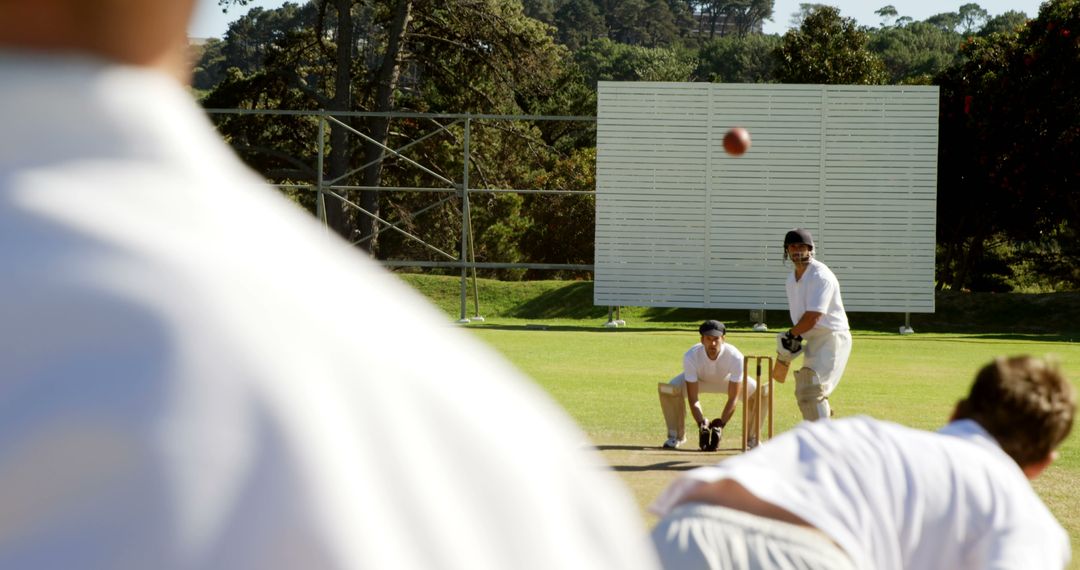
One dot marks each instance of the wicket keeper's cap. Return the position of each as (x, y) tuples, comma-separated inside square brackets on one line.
[(798, 235), (712, 328)]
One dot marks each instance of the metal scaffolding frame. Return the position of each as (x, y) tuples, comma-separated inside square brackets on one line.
[(465, 258)]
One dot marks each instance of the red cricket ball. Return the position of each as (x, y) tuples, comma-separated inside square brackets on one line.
[(737, 141)]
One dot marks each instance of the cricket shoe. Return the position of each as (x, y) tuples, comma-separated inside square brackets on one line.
[(673, 442)]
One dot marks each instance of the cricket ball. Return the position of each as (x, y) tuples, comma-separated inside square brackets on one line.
[(737, 141)]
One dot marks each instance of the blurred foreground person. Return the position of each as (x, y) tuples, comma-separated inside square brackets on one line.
[(194, 376)]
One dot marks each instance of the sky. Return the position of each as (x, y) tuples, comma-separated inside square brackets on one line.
[(209, 22)]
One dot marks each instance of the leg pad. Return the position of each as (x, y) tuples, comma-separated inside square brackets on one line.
[(810, 393), (673, 404)]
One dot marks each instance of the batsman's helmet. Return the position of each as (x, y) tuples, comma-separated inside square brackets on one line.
[(798, 235)]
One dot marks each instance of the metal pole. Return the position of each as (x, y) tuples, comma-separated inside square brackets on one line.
[(320, 199), (906, 329), (465, 225), (475, 286)]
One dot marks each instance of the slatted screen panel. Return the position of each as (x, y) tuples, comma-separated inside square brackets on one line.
[(679, 223)]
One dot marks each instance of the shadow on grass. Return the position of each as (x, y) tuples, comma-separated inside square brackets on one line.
[(573, 301), (979, 337), (692, 461), (1012, 315), (665, 466), (580, 328)]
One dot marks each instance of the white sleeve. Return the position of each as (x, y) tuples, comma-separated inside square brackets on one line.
[(735, 368), (690, 367), (819, 294)]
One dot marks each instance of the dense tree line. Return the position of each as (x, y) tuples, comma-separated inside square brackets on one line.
[(1005, 145)]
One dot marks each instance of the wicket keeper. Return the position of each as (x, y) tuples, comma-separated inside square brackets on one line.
[(712, 365)]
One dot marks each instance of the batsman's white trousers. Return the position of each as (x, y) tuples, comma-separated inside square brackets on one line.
[(827, 353), (697, 535)]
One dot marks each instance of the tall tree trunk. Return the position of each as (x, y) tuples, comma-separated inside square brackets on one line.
[(974, 254), (342, 101), (387, 82)]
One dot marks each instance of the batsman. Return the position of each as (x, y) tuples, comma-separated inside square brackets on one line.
[(820, 327)]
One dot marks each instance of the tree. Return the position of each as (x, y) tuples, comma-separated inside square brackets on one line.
[(1008, 22), (480, 56), (798, 16), (738, 59), (579, 22), (210, 65), (830, 49), (560, 227), (542, 10), (649, 23), (605, 60), (888, 14), (916, 52), (947, 21), (248, 42), (1010, 145), (747, 15), (972, 17)]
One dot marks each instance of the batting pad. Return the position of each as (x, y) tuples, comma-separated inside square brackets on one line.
[(674, 408), (811, 395)]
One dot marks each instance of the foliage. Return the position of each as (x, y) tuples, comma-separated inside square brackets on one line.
[(209, 68), (1007, 218), (804, 10), (946, 21), (829, 49), (579, 22), (727, 17), (605, 60), (972, 17), (1008, 22), (915, 52), (559, 227), (888, 14), (1009, 134), (648, 23), (540, 10), (480, 56), (738, 59)]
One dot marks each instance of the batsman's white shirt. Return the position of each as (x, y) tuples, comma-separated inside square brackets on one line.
[(183, 386), (817, 290), (896, 498)]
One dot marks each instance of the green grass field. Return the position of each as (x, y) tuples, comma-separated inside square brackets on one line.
[(606, 378)]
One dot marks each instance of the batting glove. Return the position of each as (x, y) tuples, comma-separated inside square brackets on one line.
[(788, 346)]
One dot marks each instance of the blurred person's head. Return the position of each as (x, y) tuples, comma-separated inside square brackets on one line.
[(151, 33), (1027, 404)]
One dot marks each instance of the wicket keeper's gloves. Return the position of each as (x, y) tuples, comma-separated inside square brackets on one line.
[(709, 439)]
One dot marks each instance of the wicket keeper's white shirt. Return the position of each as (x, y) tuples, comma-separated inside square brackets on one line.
[(818, 290), (179, 389), (896, 498), (726, 368)]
